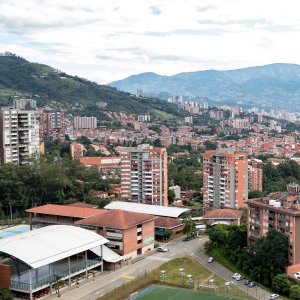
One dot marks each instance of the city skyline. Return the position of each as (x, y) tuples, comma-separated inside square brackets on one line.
[(113, 40)]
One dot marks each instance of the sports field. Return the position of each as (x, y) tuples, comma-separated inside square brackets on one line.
[(167, 293)]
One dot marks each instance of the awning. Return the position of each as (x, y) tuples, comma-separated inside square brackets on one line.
[(220, 222), (108, 254)]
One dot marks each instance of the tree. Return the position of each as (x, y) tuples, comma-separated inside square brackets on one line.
[(171, 196), (255, 194), (157, 143), (210, 145), (281, 284), (189, 226), (237, 237), (218, 234), (295, 292), (6, 294), (271, 255)]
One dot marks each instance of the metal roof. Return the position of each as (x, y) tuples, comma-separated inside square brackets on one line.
[(156, 210), (108, 254), (46, 245)]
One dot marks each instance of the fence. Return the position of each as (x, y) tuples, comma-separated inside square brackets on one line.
[(144, 280)]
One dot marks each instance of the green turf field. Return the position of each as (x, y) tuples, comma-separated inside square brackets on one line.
[(168, 293)]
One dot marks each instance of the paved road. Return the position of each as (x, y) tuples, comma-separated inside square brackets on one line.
[(91, 290)]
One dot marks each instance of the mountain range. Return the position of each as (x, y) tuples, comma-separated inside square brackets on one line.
[(20, 78), (269, 86)]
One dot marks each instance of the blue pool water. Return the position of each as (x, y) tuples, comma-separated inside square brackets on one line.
[(14, 230)]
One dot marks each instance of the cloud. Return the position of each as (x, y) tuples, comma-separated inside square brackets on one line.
[(110, 40)]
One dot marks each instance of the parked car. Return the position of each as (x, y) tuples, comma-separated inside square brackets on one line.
[(251, 284), (297, 275), (162, 249), (246, 282), (239, 277), (274, 296), (210, 260), (234, 275)]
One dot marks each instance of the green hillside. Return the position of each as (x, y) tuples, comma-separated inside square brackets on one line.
[(20, 78)]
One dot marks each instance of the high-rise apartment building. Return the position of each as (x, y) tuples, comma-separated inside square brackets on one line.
[(52, 124), (85, 122), (255, 175), (225, 178), (144, 177), (19, 135)]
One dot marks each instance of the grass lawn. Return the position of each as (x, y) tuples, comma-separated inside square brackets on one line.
[(164, 116), (200, 274), (168, 293), (189, 267)]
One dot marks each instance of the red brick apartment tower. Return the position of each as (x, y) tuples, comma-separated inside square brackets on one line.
[(255, 175), (225, 178), (144, 175)]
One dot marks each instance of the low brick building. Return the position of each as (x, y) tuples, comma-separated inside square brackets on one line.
[(51, 214), (129, 233), (222, 216)]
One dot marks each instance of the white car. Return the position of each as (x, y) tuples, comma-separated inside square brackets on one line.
[(274, 296), (210, 260), (297, 275), (239, 277), (235, 275), (162, 249)]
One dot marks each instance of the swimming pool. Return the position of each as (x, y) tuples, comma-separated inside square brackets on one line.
[(14, 230)]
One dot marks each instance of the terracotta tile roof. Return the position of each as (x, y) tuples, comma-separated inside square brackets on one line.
[(103, 162), (90, 161), (162, 222), (223, 214), (119, 219), (83, 204), (66, 210)]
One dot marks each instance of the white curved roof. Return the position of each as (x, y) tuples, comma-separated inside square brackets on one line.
[(108, 254), (46, 245), (220, 222), (156, 210)]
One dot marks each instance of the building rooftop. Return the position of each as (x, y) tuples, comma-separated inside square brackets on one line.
[(83, 204), (120, 219), (223, 214), (48, 244), (156, 210), (281, 202), (168, 223), (66, 210)]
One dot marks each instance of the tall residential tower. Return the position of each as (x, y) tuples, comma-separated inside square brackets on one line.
[(144, 176), (19, 135), (225, 178)]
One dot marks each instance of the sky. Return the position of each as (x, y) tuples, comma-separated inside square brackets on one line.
[(108, 40)]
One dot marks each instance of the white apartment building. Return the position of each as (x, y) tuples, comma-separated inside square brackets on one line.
[(19, 135), (24, 104), (85, 122)]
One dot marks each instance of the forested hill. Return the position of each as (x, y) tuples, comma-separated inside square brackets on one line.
[(21, 78)]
